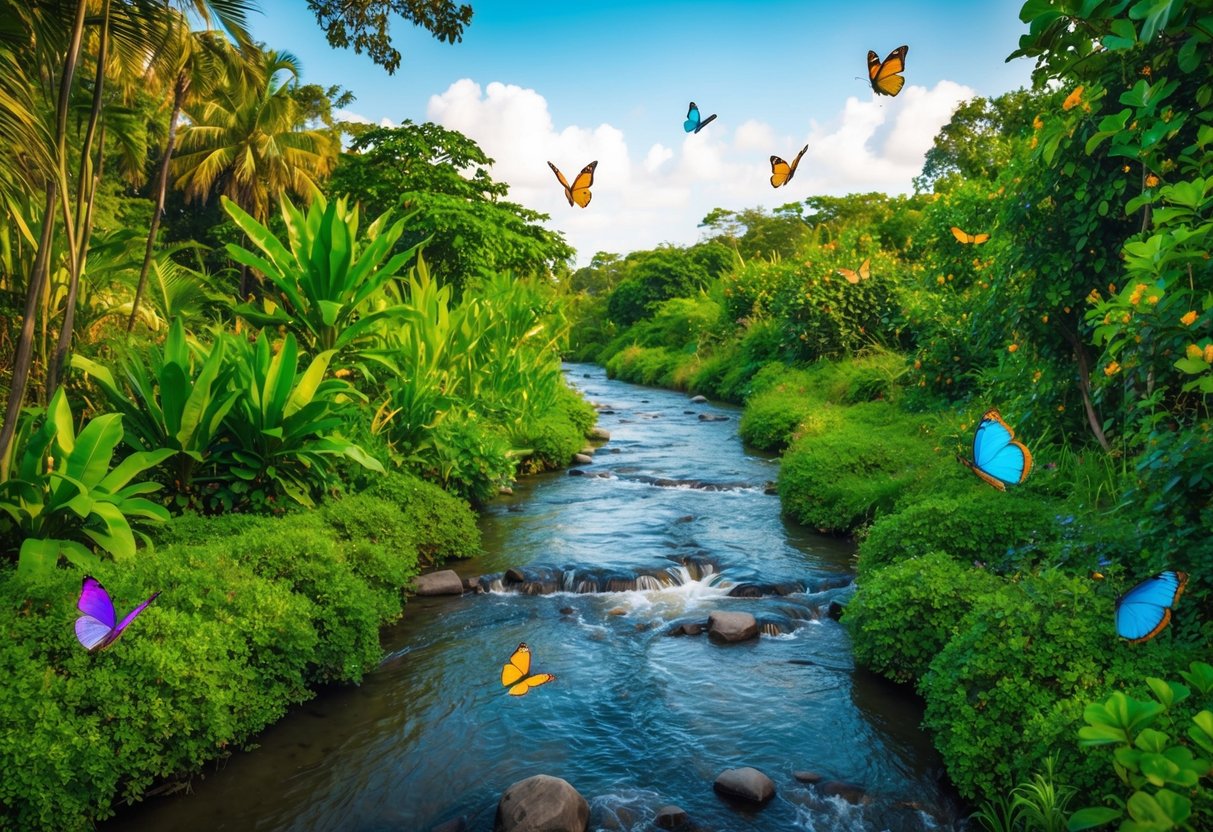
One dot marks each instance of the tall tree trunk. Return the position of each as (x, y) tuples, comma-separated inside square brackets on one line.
[(25, 343), (1084, 385), (161, 190), (86, 191)]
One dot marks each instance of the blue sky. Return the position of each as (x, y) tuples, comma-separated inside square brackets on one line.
[(580, 80)]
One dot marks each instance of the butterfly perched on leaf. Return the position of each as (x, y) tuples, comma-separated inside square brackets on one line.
[(997, 457), (96, 629), (965, 237), (579, 192), (781, 171), (516, 673), (885, 76), (694, 124), (863, 273), (1145, 610)]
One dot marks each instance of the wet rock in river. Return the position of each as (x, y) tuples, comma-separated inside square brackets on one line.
[(849, 792), (835, 609), (748, 784), (670, 817), (601, 434), (752, 590), (588, 450), (837, 582), (807, 776), (582, 459), (687, 628), (732, 626), (458, 824), (542, 804), (712, 417), (698, 399), (445, 582)]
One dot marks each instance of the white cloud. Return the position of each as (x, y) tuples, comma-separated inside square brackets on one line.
[(349, 115), (661, 194)]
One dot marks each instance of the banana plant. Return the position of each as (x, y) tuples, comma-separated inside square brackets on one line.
[(327, 279), (176, 399), (282, 435), (65, 494)]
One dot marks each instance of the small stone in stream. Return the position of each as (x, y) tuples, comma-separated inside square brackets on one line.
[(807, 776), (582, 459), (445, 582), (516, 509), (506, 490), (600, 433), (836, 582), (514, 575), (670, 817), (607, 412), (454, 825), (712, 417), (566, 610), (747, 784), (688, 412), (732, 626), (770, 491), (686, 518), (617, 611), (698, 399), (542, 804), (586, 375), (588, 450), (849, 792), (644, 401), (613, 450), (834, 611), (688, 628)]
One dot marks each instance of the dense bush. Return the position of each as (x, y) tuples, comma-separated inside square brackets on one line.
[(904, 614), (558, 434), (1003, 531), (1010, 685), (442, 525), (772, 419)]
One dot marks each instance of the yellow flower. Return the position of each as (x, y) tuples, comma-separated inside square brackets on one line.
[(917, 364), (1033, 143), (1208, 356), (1012, 347), (1194, 351), (1037, 123), (1061, 408), (1036, 376), (1145, 70), (1152, 300), (1044, 319), (1072, 99), (1126, 168), (1124, 319), (1112, 288), (1151, 181), (1189, 319), (939, 280), (1112, 369), (1094, 296)]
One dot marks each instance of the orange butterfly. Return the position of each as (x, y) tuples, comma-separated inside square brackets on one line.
[(781, 171), (884, 75), (579, 192), (855, 276), (515, 674), (964, 237)]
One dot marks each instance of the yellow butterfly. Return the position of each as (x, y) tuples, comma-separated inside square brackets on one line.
[(854, 277), (515, 674), (579, 192), (781, 171), (884, 75), (965, 237)]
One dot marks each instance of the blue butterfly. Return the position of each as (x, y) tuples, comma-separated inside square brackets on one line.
[(693, 123), (1145, 610), (997, 457)]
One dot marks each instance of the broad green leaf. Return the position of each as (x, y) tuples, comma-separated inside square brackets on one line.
[(89, 461), (1092, 818), (37, 557), (130, 467)]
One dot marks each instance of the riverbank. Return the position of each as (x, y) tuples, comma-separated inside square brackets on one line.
[(255, 614), (981, 600)]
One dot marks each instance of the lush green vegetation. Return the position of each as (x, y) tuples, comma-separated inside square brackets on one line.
[(231, 376), (1085, 319)]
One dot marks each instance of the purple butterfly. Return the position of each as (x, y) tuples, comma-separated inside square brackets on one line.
[(95, 628)]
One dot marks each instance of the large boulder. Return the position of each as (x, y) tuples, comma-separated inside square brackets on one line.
[(445, 582), (542, 804), (748, 784), (732, 626)]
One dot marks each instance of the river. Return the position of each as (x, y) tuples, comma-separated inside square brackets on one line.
[(636, 719)]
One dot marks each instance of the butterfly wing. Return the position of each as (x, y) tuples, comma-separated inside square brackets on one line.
[(94, 628), (978, 239), (692, 123), (997, 457), (1145, 610), (850, 275), (705, 122), (796, 162), (780, 171), (885, 75), (961, 236), (568, 192), (535, 681), (517, 667), (131, 615), (580, 192)]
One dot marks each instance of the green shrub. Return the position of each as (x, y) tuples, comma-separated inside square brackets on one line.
[(468, 455), (1010, 685), (904, 614), (576, 409), (858, 468), (1005, 531), (443, 525), (379, 543), (552, 441), (771, 419)]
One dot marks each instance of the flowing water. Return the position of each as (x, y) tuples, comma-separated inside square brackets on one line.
[(670, 518)]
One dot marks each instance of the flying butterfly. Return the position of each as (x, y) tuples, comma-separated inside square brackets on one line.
[(693, 122), (855, 276), (997, 457), (515, 674), (579, 192), (967, 238), (884, 76), (1145, 610), (781, 171), (96, 629)]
